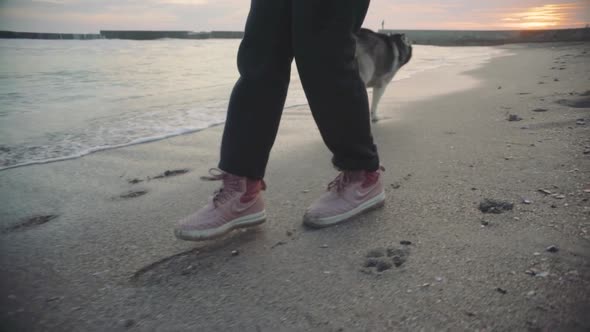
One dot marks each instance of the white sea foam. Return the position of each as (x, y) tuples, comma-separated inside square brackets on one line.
[(66, 99)]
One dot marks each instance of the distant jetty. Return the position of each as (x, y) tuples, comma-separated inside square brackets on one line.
[(485, 38), (422, 37), (44, 35)]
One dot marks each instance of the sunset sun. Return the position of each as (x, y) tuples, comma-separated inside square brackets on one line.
[(542, 17)]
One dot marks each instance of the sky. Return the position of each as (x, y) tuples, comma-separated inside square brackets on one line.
[(90, 16)]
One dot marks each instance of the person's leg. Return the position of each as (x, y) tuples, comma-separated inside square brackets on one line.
[(253, 116), (257, 100), (324, 48)]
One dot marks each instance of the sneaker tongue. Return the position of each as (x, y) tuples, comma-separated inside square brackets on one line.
[(234, 183), (354, 176)]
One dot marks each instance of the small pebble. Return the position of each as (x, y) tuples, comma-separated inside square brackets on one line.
[(526, 201), (324, 246), (484, 223), (531, 293), (542, 274), (501, 290), (552, 248), (514, 117), (129, 323), (405, 243), (235, 252), (536, 254)]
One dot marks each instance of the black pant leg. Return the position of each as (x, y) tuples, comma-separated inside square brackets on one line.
[(324, 48), (258, 98)]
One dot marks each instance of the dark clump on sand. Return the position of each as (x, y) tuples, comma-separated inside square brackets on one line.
[(514, 117), (576, 103), (30, 222), (495, 206), (166, 174), (540, 110), (133, 194), (170, 173)]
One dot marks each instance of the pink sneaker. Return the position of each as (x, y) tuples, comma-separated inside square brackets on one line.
[(238, 203), (350, 194)]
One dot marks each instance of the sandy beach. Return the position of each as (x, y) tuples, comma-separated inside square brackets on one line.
[(88, 245)]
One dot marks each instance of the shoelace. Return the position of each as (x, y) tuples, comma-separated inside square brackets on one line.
[(345, 177), (339, 182), (222, 194), (231, 183)]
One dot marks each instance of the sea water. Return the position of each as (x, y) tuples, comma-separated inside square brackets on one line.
[(62, 99)]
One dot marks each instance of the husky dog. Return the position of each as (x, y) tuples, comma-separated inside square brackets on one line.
[(379, 57)]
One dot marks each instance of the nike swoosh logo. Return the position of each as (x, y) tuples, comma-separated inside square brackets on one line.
[(240, 207), (361, 194)]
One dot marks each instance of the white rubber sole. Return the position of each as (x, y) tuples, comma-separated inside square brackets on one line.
[(207, 234), (375, 202)]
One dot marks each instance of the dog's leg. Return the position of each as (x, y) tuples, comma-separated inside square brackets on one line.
[(377, 93)]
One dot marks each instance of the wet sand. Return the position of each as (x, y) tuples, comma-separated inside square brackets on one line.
[(87, 244)]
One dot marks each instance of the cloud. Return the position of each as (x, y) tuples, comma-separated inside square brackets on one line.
[(183, 2), (201, 15), (56, 2)]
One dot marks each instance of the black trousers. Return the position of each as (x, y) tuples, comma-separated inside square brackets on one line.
[(319, 35)]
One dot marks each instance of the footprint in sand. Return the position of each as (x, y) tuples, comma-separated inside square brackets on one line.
[(131, 194), (383, 259), (29, 223)]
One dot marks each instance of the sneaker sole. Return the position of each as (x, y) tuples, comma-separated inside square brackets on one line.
[(372, 204), (208, 234)]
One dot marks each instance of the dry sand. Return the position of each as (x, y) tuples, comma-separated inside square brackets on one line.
[(107, 263)]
